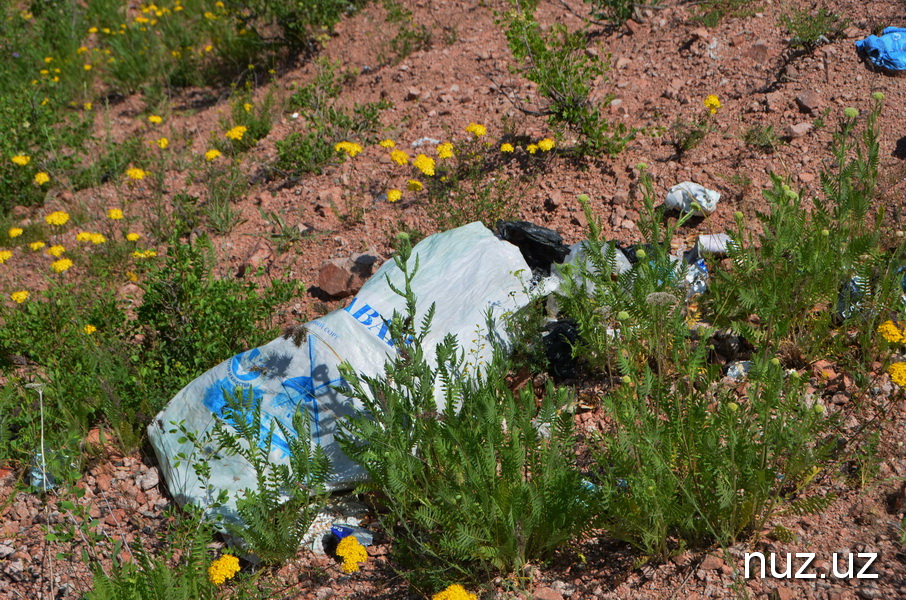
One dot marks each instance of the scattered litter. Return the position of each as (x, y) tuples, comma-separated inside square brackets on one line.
[(888, 51), (696, 278), (683, 195), (558, 347), (38, 477), (343, 530), (540, 246), (716, 245), (578, 255), (849, 298), (491, 280), (739, 370), (425, 141)]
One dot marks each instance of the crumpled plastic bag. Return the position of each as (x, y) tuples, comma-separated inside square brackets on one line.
[(682, 195), (887, 51), (475, 280)]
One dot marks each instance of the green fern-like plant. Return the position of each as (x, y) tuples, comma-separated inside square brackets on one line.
[(277, 514), (476, 479)]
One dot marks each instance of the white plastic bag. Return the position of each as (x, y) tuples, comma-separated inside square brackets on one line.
[(682, 195), (466, 272)]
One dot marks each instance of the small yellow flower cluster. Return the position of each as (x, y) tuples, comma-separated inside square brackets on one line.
[(21, 159), (89, 329), (476, 129), (507, 148), (41, 178), (61, 265), (5, 255), (115, 214), (155, 120), (236, 132), (546, 145), (133, 237), (211, 154), (399, 157), (394, 195), (162, 143), (142, 254), (350, 148), (136, 174), (414, 185), (454, 592), (387, 144), (222, 569), (19, 297), (712, 103), (898, 373), (445, 150), (36, 246), (56, 250), (57, 217), (352, 553), (890, 332), (14, 232), (425, 164), (94, 238), (247, 107)]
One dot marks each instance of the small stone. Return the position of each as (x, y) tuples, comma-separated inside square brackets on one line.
[(798, 130), (546, 593), (783, 593), (6, 550), (413, 93), (701, 33), (809, 101), (759, 52), (633, 27), (806, 178), (711, 563), (149, 479), (342, 277), (623, 62), (325, 593)]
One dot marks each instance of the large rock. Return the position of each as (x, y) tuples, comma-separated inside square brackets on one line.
[(342, 277), (809, 101)]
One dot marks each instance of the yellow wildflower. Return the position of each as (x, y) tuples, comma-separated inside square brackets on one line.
[(5, 255), (19, 297), (350, 148), (890, 332), (97, 238), (211, 154), (247, 107), (507, 148), (425, 164), (41, 178), (547, 144), (155, 120), (92, 30), (21, 159), (387, 144), (454, 592), (162, 143), (445, 150), (57, 217), (476, 129), (236, 132), (61, 265), (142, 254), (14, 232), (35, 246), (132, 276), (56, 250), (89, 329), (208, 48), (87, 106), (82, 50), (115, 214), (712, 103), (352, 553), (86, 66), (394, 195), (210, 16), (222, 569), (136, 174), (399, 157), (898, 373), (83, 236), (133, 237), (414, 185), (532, 148)]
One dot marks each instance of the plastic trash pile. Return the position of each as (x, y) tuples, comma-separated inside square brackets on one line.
[(887, 51)]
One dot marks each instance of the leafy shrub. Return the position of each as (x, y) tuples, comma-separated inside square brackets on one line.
[(484, 485), (615, 11), (558, 62), (809, 30)]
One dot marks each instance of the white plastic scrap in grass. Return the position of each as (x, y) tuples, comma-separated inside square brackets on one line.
[(692, 198)]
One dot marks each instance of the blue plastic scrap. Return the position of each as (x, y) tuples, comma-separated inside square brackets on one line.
[(887, 51)]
